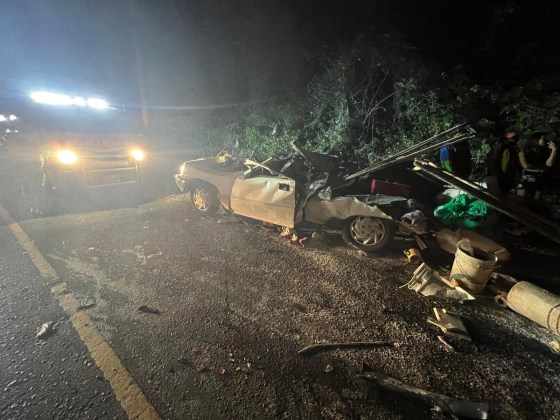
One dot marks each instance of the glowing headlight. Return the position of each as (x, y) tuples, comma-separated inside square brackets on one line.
[(137, 154), (67, 157)]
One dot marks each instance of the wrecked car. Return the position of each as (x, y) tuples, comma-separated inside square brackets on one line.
[(306, 188)]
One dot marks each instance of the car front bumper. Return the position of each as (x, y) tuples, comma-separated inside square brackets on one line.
[(91, 177)]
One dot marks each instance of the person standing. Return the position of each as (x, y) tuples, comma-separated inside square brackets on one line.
[(503, 164), (457, 158), (536, 158)]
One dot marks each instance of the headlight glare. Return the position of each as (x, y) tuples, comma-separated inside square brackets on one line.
[(67, 157), (137, 154)]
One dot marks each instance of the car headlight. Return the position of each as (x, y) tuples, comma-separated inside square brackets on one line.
[(137, 154), (67, 157)]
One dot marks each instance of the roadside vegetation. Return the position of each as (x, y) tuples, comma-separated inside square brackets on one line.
[(375, 96)]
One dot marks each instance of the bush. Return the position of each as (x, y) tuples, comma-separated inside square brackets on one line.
[(375, 98)]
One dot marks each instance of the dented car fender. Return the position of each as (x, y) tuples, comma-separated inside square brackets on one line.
[(321, 211)]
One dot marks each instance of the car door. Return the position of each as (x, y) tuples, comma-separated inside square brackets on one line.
[(268, 198)]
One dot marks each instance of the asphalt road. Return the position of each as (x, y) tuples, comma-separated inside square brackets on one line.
[(235, 302), (52, 377)]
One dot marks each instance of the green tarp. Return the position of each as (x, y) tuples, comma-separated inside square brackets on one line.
[(464, 211)]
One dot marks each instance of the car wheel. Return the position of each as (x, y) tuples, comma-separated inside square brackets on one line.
[(370, 234), (205, 199)]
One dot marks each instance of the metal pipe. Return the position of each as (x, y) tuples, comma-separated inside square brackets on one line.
[(395, 159), (427, 141), (539, 305), (525, 216)]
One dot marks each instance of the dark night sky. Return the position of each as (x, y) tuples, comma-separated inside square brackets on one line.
[(199, 52)]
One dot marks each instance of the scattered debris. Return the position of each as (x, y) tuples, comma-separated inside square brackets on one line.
[(202, 367), (520, 213), (149, 310), (86, 306), (45, 330), (416, 222), (504, 278), (554, 347), (196, 351), (413, 255), (429, 282), (425, 281), (317, 235), (317, 348), (300, 242), (247, 370), (222, 371), (421, 244), (473, 410), (450, 324), (448, 240), (287, 232), (269, 225), (448, 347), (329, 368)]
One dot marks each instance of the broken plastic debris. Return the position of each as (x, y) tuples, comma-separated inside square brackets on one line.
[(286, 232), (329, 368), (416, 221), (149, 310), (462, 408), (448, 347), (450, 324), (244, 369), (45, 330), (300, 242), (222, 371), (554, 347), (428, 282)]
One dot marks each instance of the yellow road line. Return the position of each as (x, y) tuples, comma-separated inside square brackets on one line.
[(126, 390)]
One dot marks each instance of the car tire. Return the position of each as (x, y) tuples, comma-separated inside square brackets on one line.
[(204, 198), (370, 234)]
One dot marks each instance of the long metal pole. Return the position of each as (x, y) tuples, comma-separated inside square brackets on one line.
[(427, 141), (523, 215), (391, 161)]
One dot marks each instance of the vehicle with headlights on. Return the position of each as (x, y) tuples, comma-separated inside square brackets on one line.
[(80, 149), (78, 162)]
